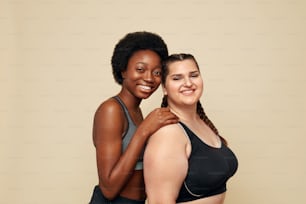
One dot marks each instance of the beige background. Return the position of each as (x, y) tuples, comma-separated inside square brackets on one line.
[(55, 71)]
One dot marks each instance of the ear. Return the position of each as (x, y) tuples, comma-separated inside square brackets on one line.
[(123, 74), (164, 90)]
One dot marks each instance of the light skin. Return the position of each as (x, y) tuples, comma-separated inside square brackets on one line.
[(116, 169), (166, 155)]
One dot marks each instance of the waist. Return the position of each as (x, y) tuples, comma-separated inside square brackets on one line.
[(215, 199), (187, 194), (135, 187)]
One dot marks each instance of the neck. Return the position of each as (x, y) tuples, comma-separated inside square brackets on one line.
[(185, 114), (129, 100)]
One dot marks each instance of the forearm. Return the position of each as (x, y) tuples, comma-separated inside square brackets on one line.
[(113, 182)]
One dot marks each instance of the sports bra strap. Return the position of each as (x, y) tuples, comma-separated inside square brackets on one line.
[(183, 128), (126, 138)]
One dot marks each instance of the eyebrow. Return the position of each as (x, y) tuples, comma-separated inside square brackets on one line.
[(179, 74), (141, 63), (197, 71), (146, 64)]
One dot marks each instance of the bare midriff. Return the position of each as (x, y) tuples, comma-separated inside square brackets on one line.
[(216, 199), (135, 188)]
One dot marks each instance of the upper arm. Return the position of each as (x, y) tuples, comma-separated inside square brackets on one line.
[(165, 164), (107, 133)]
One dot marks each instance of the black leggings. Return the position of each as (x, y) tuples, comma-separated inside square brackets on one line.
[(98, 198)]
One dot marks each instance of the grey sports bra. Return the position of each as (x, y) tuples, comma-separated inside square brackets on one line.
[(127, 136)]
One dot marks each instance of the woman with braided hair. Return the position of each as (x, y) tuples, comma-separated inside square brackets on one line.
[(188, 162)]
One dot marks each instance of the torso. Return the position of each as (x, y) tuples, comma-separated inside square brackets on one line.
[(216, 199), (135, 188), (209, 167)]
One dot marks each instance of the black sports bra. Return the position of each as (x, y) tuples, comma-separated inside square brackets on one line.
[(209, 168)]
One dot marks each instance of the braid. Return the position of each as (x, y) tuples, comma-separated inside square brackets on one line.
[(164, 101), (204, 117), (200, 111)]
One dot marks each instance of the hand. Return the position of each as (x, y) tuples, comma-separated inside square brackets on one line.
[(157, 119)]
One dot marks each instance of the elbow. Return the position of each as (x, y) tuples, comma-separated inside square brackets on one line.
[(109, 188), (108, 193)]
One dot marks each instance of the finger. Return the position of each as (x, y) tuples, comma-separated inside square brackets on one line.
[(171, 121), (170, 116), (167, 109)]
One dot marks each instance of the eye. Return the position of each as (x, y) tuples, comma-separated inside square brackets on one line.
[(176, 77), (140, 69), (194, 74), (156, 72)]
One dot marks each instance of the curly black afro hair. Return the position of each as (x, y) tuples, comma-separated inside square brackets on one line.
[(131, 43)]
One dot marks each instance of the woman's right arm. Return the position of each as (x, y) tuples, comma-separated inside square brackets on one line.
[(165, 164)]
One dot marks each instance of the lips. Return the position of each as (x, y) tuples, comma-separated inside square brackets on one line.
[(187, 91)]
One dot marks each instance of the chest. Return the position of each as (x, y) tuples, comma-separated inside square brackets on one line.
[(209, 168)]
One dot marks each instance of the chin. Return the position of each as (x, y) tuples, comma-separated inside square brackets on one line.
[(190, 103), (144, 96)]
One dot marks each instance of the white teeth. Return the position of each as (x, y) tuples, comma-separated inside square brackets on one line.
[(187, 91), (145, 87)]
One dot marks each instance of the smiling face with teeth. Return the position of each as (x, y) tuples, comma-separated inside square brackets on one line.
[(143, 74), (183, 83)]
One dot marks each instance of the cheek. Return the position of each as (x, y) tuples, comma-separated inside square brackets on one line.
[(200, 87), (201, 84), (133, 76), (157, 80), (172, 88)]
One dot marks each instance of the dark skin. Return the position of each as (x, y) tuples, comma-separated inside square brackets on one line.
[(116, 169)]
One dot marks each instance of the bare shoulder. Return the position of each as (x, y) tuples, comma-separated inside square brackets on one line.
[(108, 121), (108, 108), (167, 148), (172, 133)]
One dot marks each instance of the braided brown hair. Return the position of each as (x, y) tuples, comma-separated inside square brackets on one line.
[(200, 109)]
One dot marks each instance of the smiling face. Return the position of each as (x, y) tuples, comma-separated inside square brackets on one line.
[(183, 84), (142, 76)]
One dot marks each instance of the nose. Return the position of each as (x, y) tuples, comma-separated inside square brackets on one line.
[(187, 82), (148, 77)]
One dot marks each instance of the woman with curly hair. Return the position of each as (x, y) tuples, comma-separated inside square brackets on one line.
[(119, 131)]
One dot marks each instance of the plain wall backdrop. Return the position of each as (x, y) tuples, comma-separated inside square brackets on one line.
[(55, 71)]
